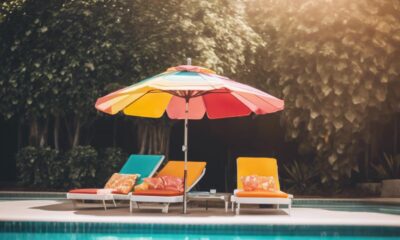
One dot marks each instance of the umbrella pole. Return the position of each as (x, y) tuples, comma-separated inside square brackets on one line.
[(185, 149)]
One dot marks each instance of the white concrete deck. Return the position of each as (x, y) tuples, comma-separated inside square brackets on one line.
[(63, 211)]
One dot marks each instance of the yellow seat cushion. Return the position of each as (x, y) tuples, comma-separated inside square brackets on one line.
[(175, 168), (262, 194)]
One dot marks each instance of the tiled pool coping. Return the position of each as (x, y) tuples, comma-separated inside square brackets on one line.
[(63, 211), (20, 195), (265, 230), (297, 202)]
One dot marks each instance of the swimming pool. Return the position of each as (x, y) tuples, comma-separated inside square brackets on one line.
[(54, 218), (119, 231), (358, 205)]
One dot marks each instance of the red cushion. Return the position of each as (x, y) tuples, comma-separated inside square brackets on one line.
[(154, 192), (85, 190)]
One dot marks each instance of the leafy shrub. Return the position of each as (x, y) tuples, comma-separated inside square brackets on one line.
[(112, 160), (27, 159), (79, 167), (47, 171), (82, 163), (389, 168), (57, 171), (300, 177), (35, 166)]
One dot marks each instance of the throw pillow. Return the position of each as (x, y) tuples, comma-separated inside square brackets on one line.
[(121, 183), (258, 183)]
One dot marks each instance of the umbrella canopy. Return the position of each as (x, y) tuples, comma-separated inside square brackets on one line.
[(189, 92), (205, 91)]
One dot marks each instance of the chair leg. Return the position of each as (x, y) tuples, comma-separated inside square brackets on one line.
[(237, 208), (74, 204), (130, 206), (233, 206), (115, 205), (226, 206), (165, 208), (290, 209), (104, 205), (277, 206)]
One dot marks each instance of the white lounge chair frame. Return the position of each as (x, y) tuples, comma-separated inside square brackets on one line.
[(165, 201), (258, 200), (75, 197)]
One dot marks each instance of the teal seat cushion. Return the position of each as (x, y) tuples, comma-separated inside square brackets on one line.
[(145, 165)]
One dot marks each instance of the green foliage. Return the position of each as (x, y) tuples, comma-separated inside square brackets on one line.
[(8, 6), (79, 167), (57, 171), (389, 168), (38, 166), (58, 57), (214, 33), (83, 164), (26, 161), (110, 161), (337, 66), (300, 177)]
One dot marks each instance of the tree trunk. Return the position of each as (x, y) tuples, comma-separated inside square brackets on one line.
[(153, 136), (34, 133), (69, 130), (43, 129), (142, 138), (77, 132), (56, 132), (19, 134)]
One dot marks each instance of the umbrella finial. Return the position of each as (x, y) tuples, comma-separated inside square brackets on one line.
[(189, 61)]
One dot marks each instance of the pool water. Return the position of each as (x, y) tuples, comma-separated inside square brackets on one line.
[(177, 236), (349, 206), (119, 231), (22, 230)]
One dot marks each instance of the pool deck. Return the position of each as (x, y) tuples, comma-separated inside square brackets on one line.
[(63, 211)]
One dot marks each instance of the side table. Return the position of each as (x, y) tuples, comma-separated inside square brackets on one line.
[(213, 197)]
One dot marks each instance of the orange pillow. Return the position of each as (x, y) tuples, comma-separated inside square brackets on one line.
[(257, 183), (155, 183), (170, 183), (141, 187), (121, 183)]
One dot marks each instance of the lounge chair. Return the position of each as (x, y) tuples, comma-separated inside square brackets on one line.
[(195, 171), (247, 166), (143, 165)]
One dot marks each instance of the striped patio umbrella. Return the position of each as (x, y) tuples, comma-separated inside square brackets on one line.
[(189, 92)]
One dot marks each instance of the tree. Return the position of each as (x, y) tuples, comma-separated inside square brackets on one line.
[(337, 65), (213, 33), (57, 59)]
